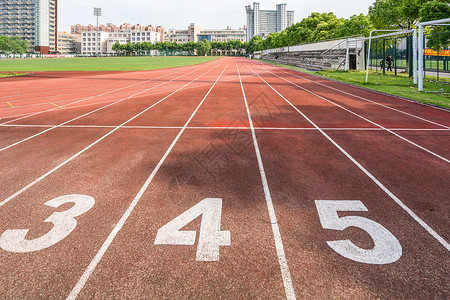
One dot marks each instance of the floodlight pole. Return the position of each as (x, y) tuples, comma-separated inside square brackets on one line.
[(97, 13), (421, 42)]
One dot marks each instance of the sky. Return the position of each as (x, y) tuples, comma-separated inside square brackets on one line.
[(178, 14)]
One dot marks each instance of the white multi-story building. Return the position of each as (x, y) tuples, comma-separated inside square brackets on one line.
[(196, 32), (32, 20), (69, 43), (93, 42), (264, 22)]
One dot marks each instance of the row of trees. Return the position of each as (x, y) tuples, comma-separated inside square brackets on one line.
[(200, 48), (383, 14), (13, 45)]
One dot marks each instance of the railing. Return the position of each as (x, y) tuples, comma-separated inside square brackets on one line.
[(336, 51)]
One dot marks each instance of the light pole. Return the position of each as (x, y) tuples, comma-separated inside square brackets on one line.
[(97, 13)]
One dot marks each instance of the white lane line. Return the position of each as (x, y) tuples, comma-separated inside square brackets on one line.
[(82, 81), (285, 273), (228, 127), (365, 119), (371, 101), (93, 264), (365, 99), (95, 143), (69, 105), (91, 112), (376, 181), (102, 94)]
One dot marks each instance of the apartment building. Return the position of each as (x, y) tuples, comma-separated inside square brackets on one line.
[(196, 32), (93, 42), (32, 20), (264, 22), (69, 43)]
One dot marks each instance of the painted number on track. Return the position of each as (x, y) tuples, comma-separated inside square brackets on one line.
[(210, 238), (63, 224), (387, 248)]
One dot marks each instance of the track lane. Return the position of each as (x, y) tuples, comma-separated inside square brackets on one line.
[(355, 112), (74, 115), (301, 167), (96, 173), (299, 176), (64, 162), (409, 109)]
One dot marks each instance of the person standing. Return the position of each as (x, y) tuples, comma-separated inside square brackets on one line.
[(389, 62)]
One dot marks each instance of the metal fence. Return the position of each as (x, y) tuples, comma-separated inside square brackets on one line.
[(395, 54)]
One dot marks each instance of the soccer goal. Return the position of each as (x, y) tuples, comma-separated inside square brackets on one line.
[(443, 22), (398, 48)]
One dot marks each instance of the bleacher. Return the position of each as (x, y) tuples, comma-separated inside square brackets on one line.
[(322, 58)]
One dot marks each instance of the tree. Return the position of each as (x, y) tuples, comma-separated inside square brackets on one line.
[(357, 24), (433, 10), (130, 48), (397, 14), (4, 45), (203, 47), (117, 47), (13, 44)]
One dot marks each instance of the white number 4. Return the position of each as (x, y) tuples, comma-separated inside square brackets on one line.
[(210, 238), (387, 248)]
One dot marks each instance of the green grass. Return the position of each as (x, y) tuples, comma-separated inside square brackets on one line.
[(3, 75), (137, 63), (401, 85)]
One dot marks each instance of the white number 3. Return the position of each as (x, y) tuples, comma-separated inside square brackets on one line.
[(64, 223), (387, 248)]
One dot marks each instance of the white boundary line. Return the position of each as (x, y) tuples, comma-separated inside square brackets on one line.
[(68, 105), (376, 181), (91, 267), (365, 119), (285, 273), (367, 90), (85, 80), (228, 127), (181, 69), (93, 111), (94, 143), (368, 100), (80, 100)]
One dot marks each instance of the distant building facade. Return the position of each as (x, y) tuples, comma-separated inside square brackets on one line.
[(32, 20), (78, 29), (196, 32), (93, 42), (264, 22), (69, 43)]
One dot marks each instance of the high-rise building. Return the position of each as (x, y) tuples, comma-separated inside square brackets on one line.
[(264, 22), (32, 20)]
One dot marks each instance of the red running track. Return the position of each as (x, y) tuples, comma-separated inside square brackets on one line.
[(230, 179)]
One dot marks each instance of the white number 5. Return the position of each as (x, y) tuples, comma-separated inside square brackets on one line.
[(64, 223), (387, 248)]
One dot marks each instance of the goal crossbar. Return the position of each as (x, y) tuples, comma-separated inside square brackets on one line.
[(421, 26)]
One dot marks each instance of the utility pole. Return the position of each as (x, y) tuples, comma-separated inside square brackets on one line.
[(97, 13)]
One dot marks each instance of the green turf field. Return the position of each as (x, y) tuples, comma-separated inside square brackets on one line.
[(137, 63)]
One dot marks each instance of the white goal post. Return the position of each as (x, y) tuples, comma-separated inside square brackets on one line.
[(421, 26), (394, 33)]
